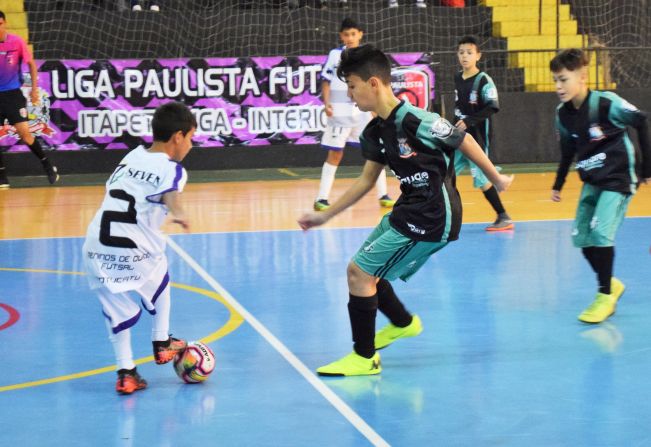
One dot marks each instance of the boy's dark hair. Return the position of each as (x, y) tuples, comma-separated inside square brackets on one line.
[(2, 16), (170, 118), (365, 61), (472, 40), (349, 23), (572, 59)]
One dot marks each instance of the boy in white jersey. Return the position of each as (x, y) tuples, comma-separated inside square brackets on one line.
[(345, 121), (124, 250)]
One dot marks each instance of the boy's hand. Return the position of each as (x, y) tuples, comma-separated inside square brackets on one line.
[(328, 110), (556, 196), (34, 96), (504, 182), (185, 224), (461, 125), (310, 220)]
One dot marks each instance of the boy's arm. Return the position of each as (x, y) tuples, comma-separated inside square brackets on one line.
[(172, 200), (567, 155), (490, 105), (473, 151), (362, 185), (624, 113), (325, 95)]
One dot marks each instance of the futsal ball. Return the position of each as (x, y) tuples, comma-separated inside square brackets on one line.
[(195, 364)]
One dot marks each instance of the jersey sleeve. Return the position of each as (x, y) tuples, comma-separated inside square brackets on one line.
[(432, 130), (568, 150), (371, 148), (622, 113), (174, 179), (329, 71)]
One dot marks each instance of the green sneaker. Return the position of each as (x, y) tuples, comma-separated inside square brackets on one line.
[(616, 288), (602, 308), (352, 365), (321, 205), (386, 201), (390, 333)]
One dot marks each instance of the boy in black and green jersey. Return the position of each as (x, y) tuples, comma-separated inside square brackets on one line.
[(591, 126), (419, 148), (475, 102)]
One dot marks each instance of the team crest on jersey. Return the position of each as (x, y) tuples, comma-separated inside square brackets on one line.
[(441, 128), (38, 116), (405, 150), (596, 133)]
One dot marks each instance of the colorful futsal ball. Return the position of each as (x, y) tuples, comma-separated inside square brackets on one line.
[(195, 364)]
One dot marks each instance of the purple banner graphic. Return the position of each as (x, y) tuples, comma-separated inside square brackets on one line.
[(254, 101)]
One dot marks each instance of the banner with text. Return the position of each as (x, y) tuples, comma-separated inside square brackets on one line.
[(108, 104)]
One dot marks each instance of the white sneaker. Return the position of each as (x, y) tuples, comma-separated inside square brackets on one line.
[(136, 8), (154, 8)]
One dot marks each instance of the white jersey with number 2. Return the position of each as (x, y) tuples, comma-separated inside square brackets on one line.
[(124, 245)]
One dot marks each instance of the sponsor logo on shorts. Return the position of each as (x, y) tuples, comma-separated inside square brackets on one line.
[(369, 248), (594, 223), (414, 229)]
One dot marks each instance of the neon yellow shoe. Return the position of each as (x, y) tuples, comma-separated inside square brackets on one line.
[(352, 365), (387, 202), (321, 205), (616, 288), (390, 333), (602, 307)]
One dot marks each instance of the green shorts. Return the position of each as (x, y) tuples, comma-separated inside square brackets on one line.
[(598, 216), (461, 162), (388, 254)]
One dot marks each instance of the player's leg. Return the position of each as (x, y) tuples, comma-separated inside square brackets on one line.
[(121, 313), (608, 215), (333, 140), (22, 128), (155, 296), (4, 181), (503, 221)]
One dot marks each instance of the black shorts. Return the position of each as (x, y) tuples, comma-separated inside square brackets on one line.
[(13, 106)]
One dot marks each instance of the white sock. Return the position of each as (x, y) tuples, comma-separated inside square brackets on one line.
[(327, 179), (381, 184), (122, 347), (161, 319)]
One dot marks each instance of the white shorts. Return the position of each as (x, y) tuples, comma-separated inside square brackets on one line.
[(336, 138), (123, 311)]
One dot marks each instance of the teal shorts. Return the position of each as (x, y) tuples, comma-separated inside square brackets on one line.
[(461, 163), (598, 216), (389, 255)]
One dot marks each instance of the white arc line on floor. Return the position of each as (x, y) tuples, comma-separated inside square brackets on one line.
[(303, 370)]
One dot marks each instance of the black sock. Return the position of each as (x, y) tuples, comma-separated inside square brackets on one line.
[(601, 259), (493, 198), (37, 150), (362, 312), (391, 306)]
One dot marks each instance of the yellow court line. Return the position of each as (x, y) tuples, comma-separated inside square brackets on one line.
[(288, 172), (234, 321)]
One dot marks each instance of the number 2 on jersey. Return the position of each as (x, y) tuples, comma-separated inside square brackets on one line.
[(128, 216)]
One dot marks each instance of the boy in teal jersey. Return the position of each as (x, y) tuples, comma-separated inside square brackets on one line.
[(591, 126), (418, 146), (475, 102)]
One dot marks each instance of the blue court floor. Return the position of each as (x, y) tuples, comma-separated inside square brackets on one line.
[(502, 361)]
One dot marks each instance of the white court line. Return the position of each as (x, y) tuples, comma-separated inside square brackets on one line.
[(303, 370)]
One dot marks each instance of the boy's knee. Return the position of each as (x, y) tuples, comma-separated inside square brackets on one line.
[(357, 276)]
